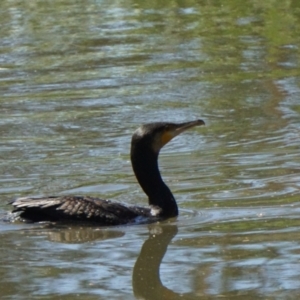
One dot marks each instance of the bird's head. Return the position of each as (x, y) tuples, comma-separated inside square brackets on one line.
[(156, 135)]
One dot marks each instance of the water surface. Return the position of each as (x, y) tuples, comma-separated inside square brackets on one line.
[(77, 79)]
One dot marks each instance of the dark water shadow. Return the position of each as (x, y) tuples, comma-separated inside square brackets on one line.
[(146, 281), (80, 235)]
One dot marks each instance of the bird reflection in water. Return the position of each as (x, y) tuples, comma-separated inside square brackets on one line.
[(78, 235), (146, 280)]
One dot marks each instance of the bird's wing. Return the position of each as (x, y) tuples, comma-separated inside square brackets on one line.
[(100, 211)]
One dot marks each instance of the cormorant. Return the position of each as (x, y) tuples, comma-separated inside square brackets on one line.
[(146, 143)]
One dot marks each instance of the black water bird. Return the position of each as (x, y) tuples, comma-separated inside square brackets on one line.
[(146, 143)]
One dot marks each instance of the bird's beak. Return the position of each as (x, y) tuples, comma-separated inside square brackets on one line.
[(187, 125), (176, 129)]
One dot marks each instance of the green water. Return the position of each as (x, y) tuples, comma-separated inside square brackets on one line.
[(78, 77)]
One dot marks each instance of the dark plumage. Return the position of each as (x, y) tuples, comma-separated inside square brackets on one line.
[(146, 143)]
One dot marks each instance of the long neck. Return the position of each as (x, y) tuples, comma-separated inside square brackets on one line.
[(145, 166)]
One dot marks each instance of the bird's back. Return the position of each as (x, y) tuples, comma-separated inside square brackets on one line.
[(77, 208)]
